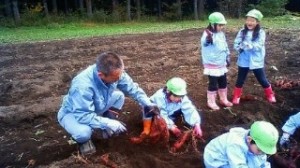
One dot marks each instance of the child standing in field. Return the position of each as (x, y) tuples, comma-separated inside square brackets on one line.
[(250, 43), (215, 59)]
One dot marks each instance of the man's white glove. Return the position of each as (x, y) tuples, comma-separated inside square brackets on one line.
[(116, 126), (111, 125)]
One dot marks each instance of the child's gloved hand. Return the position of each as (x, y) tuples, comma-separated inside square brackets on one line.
[(151, 110), (209, 39), (247, 45), (197, 131), (240, 48), (176, 131)]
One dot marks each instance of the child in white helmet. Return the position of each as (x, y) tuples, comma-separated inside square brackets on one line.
[(242, 148), (173, 102), (215, 59), (250, 44)]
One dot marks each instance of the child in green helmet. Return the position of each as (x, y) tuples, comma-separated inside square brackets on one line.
[(242, 148), (173, 103), (250, 44), (215, 59)]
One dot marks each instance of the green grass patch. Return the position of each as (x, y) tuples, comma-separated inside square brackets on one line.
[(55, 31), (87, 29)]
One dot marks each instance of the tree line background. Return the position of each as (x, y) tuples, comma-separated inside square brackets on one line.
[(30, 12)]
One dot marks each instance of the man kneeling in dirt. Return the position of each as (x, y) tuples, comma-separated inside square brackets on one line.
[(92, 95)]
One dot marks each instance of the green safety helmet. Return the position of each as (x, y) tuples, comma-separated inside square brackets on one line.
[(177, 86), (265, 136), (255, 14), (217, 18)]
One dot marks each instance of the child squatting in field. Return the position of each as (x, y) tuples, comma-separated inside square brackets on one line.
[(173, 102), (242, 148)]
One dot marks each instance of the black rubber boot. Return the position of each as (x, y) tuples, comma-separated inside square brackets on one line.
[(87, 148)]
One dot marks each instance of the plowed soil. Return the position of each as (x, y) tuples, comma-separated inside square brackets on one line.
[(35, 76)]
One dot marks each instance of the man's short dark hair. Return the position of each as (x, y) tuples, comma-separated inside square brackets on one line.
[(108, 61)]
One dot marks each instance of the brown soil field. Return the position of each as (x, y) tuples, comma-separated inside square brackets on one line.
[(35, 76)]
